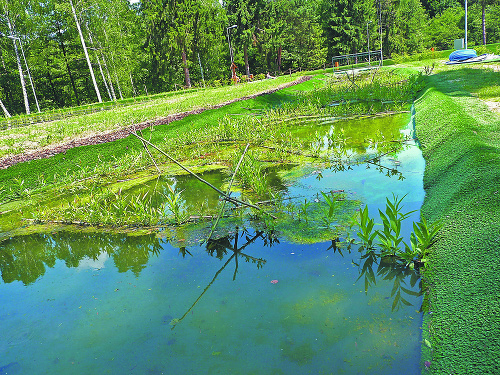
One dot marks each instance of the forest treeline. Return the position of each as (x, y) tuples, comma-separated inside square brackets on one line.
[(60, 53)]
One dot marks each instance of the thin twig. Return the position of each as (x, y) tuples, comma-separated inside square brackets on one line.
[(228, 193), (229, 199), (151, 156)]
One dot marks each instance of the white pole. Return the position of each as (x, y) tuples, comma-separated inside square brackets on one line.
[(368, 35), (380, 31), (465, 24), (229, 41), (201, 69)]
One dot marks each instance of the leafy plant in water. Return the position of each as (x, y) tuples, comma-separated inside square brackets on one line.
[(173, 200), (332, 204), (422, 238), (366, 232), (304, 208), (251, 176), (390, 236)]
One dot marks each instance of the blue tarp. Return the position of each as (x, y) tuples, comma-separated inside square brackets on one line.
[(462, 54)]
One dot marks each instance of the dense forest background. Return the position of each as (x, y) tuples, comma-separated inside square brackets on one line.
[(72, 52)]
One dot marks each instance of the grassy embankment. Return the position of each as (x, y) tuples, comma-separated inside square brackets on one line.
[(461, 144)]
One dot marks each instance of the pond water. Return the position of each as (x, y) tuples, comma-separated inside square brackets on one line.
[(250, 302)]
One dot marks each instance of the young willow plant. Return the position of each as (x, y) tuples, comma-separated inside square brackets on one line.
[(390, 236), (366, 232), (422, 238)]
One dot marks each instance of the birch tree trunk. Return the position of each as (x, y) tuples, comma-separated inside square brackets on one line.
[(19, 67), (483, 5), (117, 82), (102, 75), (86, 52), (6, 113), (99, 63), (109, 77), (132, 83), (21, 76), (113, 67)]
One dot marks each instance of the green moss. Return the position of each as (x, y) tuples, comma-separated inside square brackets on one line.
[(460, 141), (301, 354)]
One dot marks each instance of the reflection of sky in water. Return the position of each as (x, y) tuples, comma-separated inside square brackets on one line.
[(98, 318), (95, 264)]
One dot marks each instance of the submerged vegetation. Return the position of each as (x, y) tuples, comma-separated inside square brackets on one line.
[(208, 140)]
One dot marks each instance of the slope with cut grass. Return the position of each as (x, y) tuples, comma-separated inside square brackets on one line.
[(460, 138)]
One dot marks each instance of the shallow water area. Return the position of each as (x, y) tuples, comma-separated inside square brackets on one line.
[(252, 301)]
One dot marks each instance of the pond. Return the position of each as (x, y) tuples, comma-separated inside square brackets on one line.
[(251, 301)]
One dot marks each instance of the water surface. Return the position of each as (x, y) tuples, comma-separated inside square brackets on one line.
[(252, 302)]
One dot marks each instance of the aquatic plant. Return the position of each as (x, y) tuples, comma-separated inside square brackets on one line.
[(390, 236), (366, 233), (173, 202), (422, 238), (103, 207), (304, 209), (251, 176), (331, 201)]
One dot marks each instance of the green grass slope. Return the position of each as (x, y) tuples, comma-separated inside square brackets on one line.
[(460, 138)]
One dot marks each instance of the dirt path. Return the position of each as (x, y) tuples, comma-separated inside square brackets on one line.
[(47, 152)]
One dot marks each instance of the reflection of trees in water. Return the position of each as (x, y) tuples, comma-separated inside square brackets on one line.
[(25, 258), (233, 243)]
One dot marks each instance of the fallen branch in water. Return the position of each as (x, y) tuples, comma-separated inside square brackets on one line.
[(226, 197), (228, 193)]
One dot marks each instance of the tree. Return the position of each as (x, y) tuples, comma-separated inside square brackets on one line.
[(484, 3), (437, 7), (247, 15), (11, 33), (292, 36), (446, 27), (73, 10), (178, 31), (410, 22), (344, 24)]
